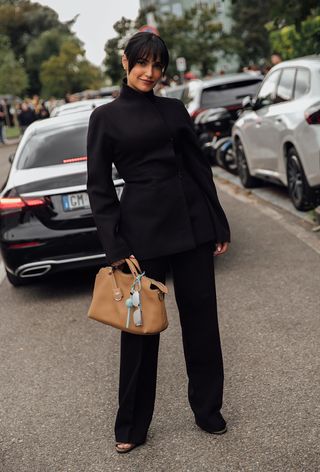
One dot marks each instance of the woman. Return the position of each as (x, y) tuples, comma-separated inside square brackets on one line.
[(168, 215)]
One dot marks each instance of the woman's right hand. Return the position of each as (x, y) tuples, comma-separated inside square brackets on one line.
[(119, 263)]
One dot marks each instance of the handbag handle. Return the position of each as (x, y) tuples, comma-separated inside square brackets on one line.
[(134, 261)]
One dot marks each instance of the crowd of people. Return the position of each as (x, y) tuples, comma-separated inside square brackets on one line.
[(21, 113)]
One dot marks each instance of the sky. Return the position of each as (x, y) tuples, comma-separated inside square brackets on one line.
[(94, 24)]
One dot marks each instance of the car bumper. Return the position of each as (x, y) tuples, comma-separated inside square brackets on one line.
[(46, 266)]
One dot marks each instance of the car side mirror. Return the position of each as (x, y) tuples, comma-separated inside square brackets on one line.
[(10, 158), (247, 103)]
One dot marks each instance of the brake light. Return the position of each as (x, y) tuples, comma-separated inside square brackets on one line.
[(312, 115), (23, 245), (74, 159), (16, 203), (197, 112)]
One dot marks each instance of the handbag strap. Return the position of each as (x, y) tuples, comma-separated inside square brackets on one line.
[(134, 267), (117, 293), (136, 263)]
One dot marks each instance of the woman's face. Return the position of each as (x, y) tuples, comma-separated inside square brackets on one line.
[(144, 75)]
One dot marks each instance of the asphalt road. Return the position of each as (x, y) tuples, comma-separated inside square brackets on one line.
[(59, 370)]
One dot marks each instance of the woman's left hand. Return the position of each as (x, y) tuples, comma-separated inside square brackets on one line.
[(221, 248)]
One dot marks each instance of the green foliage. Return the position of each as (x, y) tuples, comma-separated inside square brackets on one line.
[(288, 12), (39, 50), (292, 43), (69, 71), (22, 21), (13, 77), (34, 32), (249, 36), (286, 26)]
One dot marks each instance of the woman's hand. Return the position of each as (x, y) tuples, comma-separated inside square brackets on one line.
[(221, 248), (119, 263)]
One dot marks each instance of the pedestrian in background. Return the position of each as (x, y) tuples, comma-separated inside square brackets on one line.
[(2, 122), (169, 215), (26, 116)]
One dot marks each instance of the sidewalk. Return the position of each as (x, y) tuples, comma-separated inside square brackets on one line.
[(272, 193)]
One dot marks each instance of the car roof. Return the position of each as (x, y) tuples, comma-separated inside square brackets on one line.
[(310, 61), (229, 78), (58, 123), (86, 104)]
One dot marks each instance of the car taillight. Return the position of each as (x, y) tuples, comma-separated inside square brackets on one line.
[(197, 112), (74, 159), (312, 115), (16, 203)]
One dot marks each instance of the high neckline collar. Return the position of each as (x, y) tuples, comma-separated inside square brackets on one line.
[(128, 92)]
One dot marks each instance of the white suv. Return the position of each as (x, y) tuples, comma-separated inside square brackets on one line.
[(277, 137)]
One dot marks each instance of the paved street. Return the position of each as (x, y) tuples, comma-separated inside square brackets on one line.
[(59, 370)]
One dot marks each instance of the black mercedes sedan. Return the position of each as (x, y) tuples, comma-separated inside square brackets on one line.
[(46, 224)]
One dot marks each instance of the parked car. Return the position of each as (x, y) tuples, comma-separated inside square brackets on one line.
[(81, 105), (225, 91), (46, 224), (214, 105), (277, 138)]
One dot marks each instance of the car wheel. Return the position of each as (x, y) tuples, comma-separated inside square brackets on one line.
[(16, 281), (243, 170), (298, 188)]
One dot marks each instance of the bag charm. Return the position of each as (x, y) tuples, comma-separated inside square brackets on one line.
[(134, 301)]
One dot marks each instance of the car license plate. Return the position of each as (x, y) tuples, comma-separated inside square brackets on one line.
[(77, 201)]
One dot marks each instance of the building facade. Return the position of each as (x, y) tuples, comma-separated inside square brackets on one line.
[(177, 7)]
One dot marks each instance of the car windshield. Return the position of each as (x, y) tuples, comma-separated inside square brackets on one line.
[(48, 148), (228, 94)]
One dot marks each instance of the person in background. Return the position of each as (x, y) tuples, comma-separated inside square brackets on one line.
[(26, 116), (275, 58), (2, 122)]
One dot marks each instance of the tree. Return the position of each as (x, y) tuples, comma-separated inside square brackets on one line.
[(291, 12), (39, 50), (196, 35), (292, 43), (250, 37), (22, 21), (13, 78), (124, 29), (69, 71)]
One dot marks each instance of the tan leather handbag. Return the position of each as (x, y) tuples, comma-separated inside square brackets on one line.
[(131, 302)]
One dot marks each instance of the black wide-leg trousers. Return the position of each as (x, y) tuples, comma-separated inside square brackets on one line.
[(194, 286)]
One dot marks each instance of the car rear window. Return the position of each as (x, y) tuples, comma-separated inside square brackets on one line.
[(228, 94), (49, 148)]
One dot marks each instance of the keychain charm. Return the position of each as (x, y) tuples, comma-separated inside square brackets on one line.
[(134, 301)]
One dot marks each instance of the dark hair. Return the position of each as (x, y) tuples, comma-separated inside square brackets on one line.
[(144, 44)]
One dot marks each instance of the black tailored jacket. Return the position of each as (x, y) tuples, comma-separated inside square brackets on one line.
[(169, 203)]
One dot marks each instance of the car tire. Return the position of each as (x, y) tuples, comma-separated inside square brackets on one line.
[(16, 281), (298, 187), (243, 170)]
